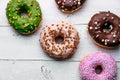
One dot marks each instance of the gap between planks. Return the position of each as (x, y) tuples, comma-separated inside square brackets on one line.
[(42, 60), (46, 24)]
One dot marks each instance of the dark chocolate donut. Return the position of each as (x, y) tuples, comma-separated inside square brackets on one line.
[(104, 28), (69, 6)]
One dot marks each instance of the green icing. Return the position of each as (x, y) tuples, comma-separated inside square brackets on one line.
[(21, 24)]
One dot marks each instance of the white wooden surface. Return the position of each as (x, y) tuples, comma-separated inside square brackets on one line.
[(21, 57)]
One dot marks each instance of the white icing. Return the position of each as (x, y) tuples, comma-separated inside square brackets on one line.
[(71, 39)]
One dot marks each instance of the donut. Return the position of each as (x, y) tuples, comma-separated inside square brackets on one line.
[(64, 49), (98, 66), (69, 6), (104, 29), (20, 23)]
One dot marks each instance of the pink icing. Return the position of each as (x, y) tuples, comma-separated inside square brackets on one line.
[(106, 61)]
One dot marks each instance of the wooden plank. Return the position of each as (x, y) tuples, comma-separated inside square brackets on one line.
[(16, 46), (22, 58), (41, 70), (52, 14)]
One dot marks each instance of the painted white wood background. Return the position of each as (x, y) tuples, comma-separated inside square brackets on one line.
[(21, 57)]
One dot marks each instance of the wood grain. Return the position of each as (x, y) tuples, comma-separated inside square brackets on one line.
[(22, 58), (41, 70)]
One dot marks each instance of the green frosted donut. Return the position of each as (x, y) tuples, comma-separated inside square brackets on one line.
[(20, 23)]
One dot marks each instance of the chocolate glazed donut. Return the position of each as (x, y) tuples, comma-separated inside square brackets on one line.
[(69, 6), (104, 29)]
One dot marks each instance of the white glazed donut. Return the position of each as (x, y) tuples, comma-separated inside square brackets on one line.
[(62, 50)]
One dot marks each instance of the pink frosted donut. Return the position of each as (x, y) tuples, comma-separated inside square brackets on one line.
[(103, 61), (64, 49)]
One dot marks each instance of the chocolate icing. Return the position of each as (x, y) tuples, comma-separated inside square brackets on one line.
[(69, 5), (104, 28)]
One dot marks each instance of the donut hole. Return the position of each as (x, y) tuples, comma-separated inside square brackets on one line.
[(107, 27), (98, 69), (23, 12), (59, 39)]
